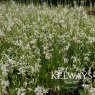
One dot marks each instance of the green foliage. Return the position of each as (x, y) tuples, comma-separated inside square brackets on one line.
[(36, 41), (71, 3)]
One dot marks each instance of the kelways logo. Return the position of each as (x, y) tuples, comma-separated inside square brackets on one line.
[(66, 73)]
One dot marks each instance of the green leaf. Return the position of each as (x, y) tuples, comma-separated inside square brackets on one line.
[(82, 92)]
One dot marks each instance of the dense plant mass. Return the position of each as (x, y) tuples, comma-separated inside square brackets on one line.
[(36, 41), (71, 3)]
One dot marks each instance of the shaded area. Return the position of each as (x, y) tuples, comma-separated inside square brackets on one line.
[(57, 2)]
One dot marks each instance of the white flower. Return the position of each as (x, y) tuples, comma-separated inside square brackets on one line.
[(57, 87), (21, 70), (37, 66), (48, 56), (21, 91), (74, 58), (92, 91), (86, 86), (40, 90), (86, 58), (4, 69), (65, 60), (25, 83), (33, 41), (2, 34), (67, 47), (45, 48), (4, 85), (91, 39)]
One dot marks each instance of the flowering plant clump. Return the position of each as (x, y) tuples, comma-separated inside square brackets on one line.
[(36, 41)]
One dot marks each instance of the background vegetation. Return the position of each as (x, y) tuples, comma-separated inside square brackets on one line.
[(57, 2)]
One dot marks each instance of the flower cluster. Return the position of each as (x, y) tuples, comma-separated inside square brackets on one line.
[(35, 41)]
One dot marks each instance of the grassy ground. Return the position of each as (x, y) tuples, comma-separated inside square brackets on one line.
[(37, 41)]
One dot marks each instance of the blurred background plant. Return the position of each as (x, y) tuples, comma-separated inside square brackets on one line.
[(56, 2)]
